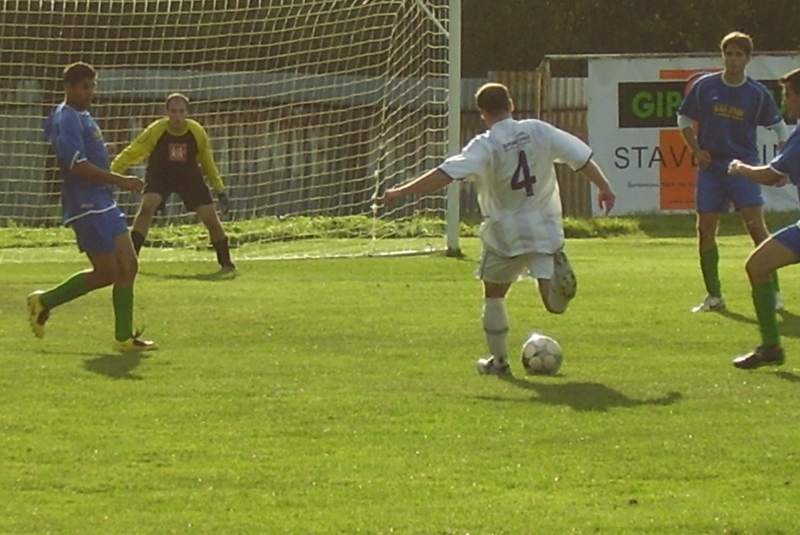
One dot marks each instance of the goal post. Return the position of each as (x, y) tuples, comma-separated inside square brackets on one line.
[(312, 108), (454, 126)]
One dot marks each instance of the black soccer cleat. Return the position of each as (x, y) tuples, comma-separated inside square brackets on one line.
[(760, 356)]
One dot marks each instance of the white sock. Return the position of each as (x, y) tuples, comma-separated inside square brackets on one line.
[(495, 326)]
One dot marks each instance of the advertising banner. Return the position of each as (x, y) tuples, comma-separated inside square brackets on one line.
[(631, 118)]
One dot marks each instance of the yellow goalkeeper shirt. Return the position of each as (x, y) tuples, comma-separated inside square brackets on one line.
[(172, 154)]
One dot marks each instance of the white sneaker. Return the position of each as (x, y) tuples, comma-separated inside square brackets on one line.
[(710, 304), (489, 366), (778, 301)]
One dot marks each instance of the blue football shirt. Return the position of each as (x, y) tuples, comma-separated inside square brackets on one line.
[(77, 138), (787, 161), (727, 117)]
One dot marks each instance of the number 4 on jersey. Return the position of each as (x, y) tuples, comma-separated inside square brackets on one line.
[(522, 178)]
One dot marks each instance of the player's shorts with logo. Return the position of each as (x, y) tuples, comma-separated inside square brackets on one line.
[(716, 190), (97, 233)]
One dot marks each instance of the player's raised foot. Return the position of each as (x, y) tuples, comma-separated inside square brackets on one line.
[(778, 301), (564, 283), (134, 344), (711, 303), (37, 314), (760, 356), (492, 366)]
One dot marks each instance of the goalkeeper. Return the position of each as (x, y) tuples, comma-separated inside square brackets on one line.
[(174, 145)]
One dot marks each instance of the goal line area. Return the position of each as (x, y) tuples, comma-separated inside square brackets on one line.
[(259, 239), (311, 108)]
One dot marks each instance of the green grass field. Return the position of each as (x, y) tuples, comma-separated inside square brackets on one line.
[(340, 397)]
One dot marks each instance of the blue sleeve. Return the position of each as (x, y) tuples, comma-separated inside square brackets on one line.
[(689, 106), (770, 114), (787, 161), (68, 139)]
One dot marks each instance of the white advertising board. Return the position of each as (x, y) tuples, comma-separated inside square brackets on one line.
[(631, 119)]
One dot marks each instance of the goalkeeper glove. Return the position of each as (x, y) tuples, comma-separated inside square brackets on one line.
[(224, 202)]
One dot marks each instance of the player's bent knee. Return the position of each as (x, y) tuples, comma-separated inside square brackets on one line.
[(101, 279), (150, 204), (756, 271), (127, 273)]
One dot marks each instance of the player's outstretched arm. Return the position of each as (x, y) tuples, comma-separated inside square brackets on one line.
[(139, 149), (431, 181), (763, 174), (90, 171), (605, 195)]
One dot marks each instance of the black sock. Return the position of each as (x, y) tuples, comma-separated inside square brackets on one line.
[(223, 253), (138, 241)]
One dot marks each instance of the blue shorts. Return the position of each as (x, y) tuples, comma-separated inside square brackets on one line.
[(717, 189), (789, 237), (96, 233)]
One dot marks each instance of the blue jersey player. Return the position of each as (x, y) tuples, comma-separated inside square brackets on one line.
[(780, 249), (89, 208), (728, 107)]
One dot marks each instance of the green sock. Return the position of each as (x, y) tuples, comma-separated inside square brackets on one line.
[(72, 288), (123, 312), (775, 281), (764, 302), (709, 264)]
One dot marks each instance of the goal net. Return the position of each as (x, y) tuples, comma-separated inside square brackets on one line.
[(311, 107)]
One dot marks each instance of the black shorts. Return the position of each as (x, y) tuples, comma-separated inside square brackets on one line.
[(192, 190)]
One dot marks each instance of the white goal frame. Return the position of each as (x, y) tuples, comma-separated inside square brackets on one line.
[(32, 86)]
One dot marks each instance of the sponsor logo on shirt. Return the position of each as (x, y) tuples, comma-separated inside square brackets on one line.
[(731, 112), (520, 139), (177, 152)]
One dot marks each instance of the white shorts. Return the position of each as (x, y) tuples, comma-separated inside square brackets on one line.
[(503, 270)]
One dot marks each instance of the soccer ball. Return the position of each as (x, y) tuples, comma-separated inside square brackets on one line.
[(541, 355)]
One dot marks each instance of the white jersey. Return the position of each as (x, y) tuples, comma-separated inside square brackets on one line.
[(512, 165)]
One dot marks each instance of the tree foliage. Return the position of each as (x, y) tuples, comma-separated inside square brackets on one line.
[(517, 34)]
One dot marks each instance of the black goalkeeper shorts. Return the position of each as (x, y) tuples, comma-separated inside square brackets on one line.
[(192, 190)]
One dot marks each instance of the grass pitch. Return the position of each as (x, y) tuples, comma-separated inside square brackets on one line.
[(340, 396)]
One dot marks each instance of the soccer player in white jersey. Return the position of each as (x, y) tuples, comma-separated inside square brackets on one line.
[(512, 165)]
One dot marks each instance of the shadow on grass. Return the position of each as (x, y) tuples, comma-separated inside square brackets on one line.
[(684, 225), (788, 376), (118, 366), (584, 396), (735, 316), (789, 324), (216, 276)]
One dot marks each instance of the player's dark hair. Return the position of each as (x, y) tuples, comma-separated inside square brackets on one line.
[(75, 72), (738, 39), (791, 79), (493, 98), (179, 96)]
